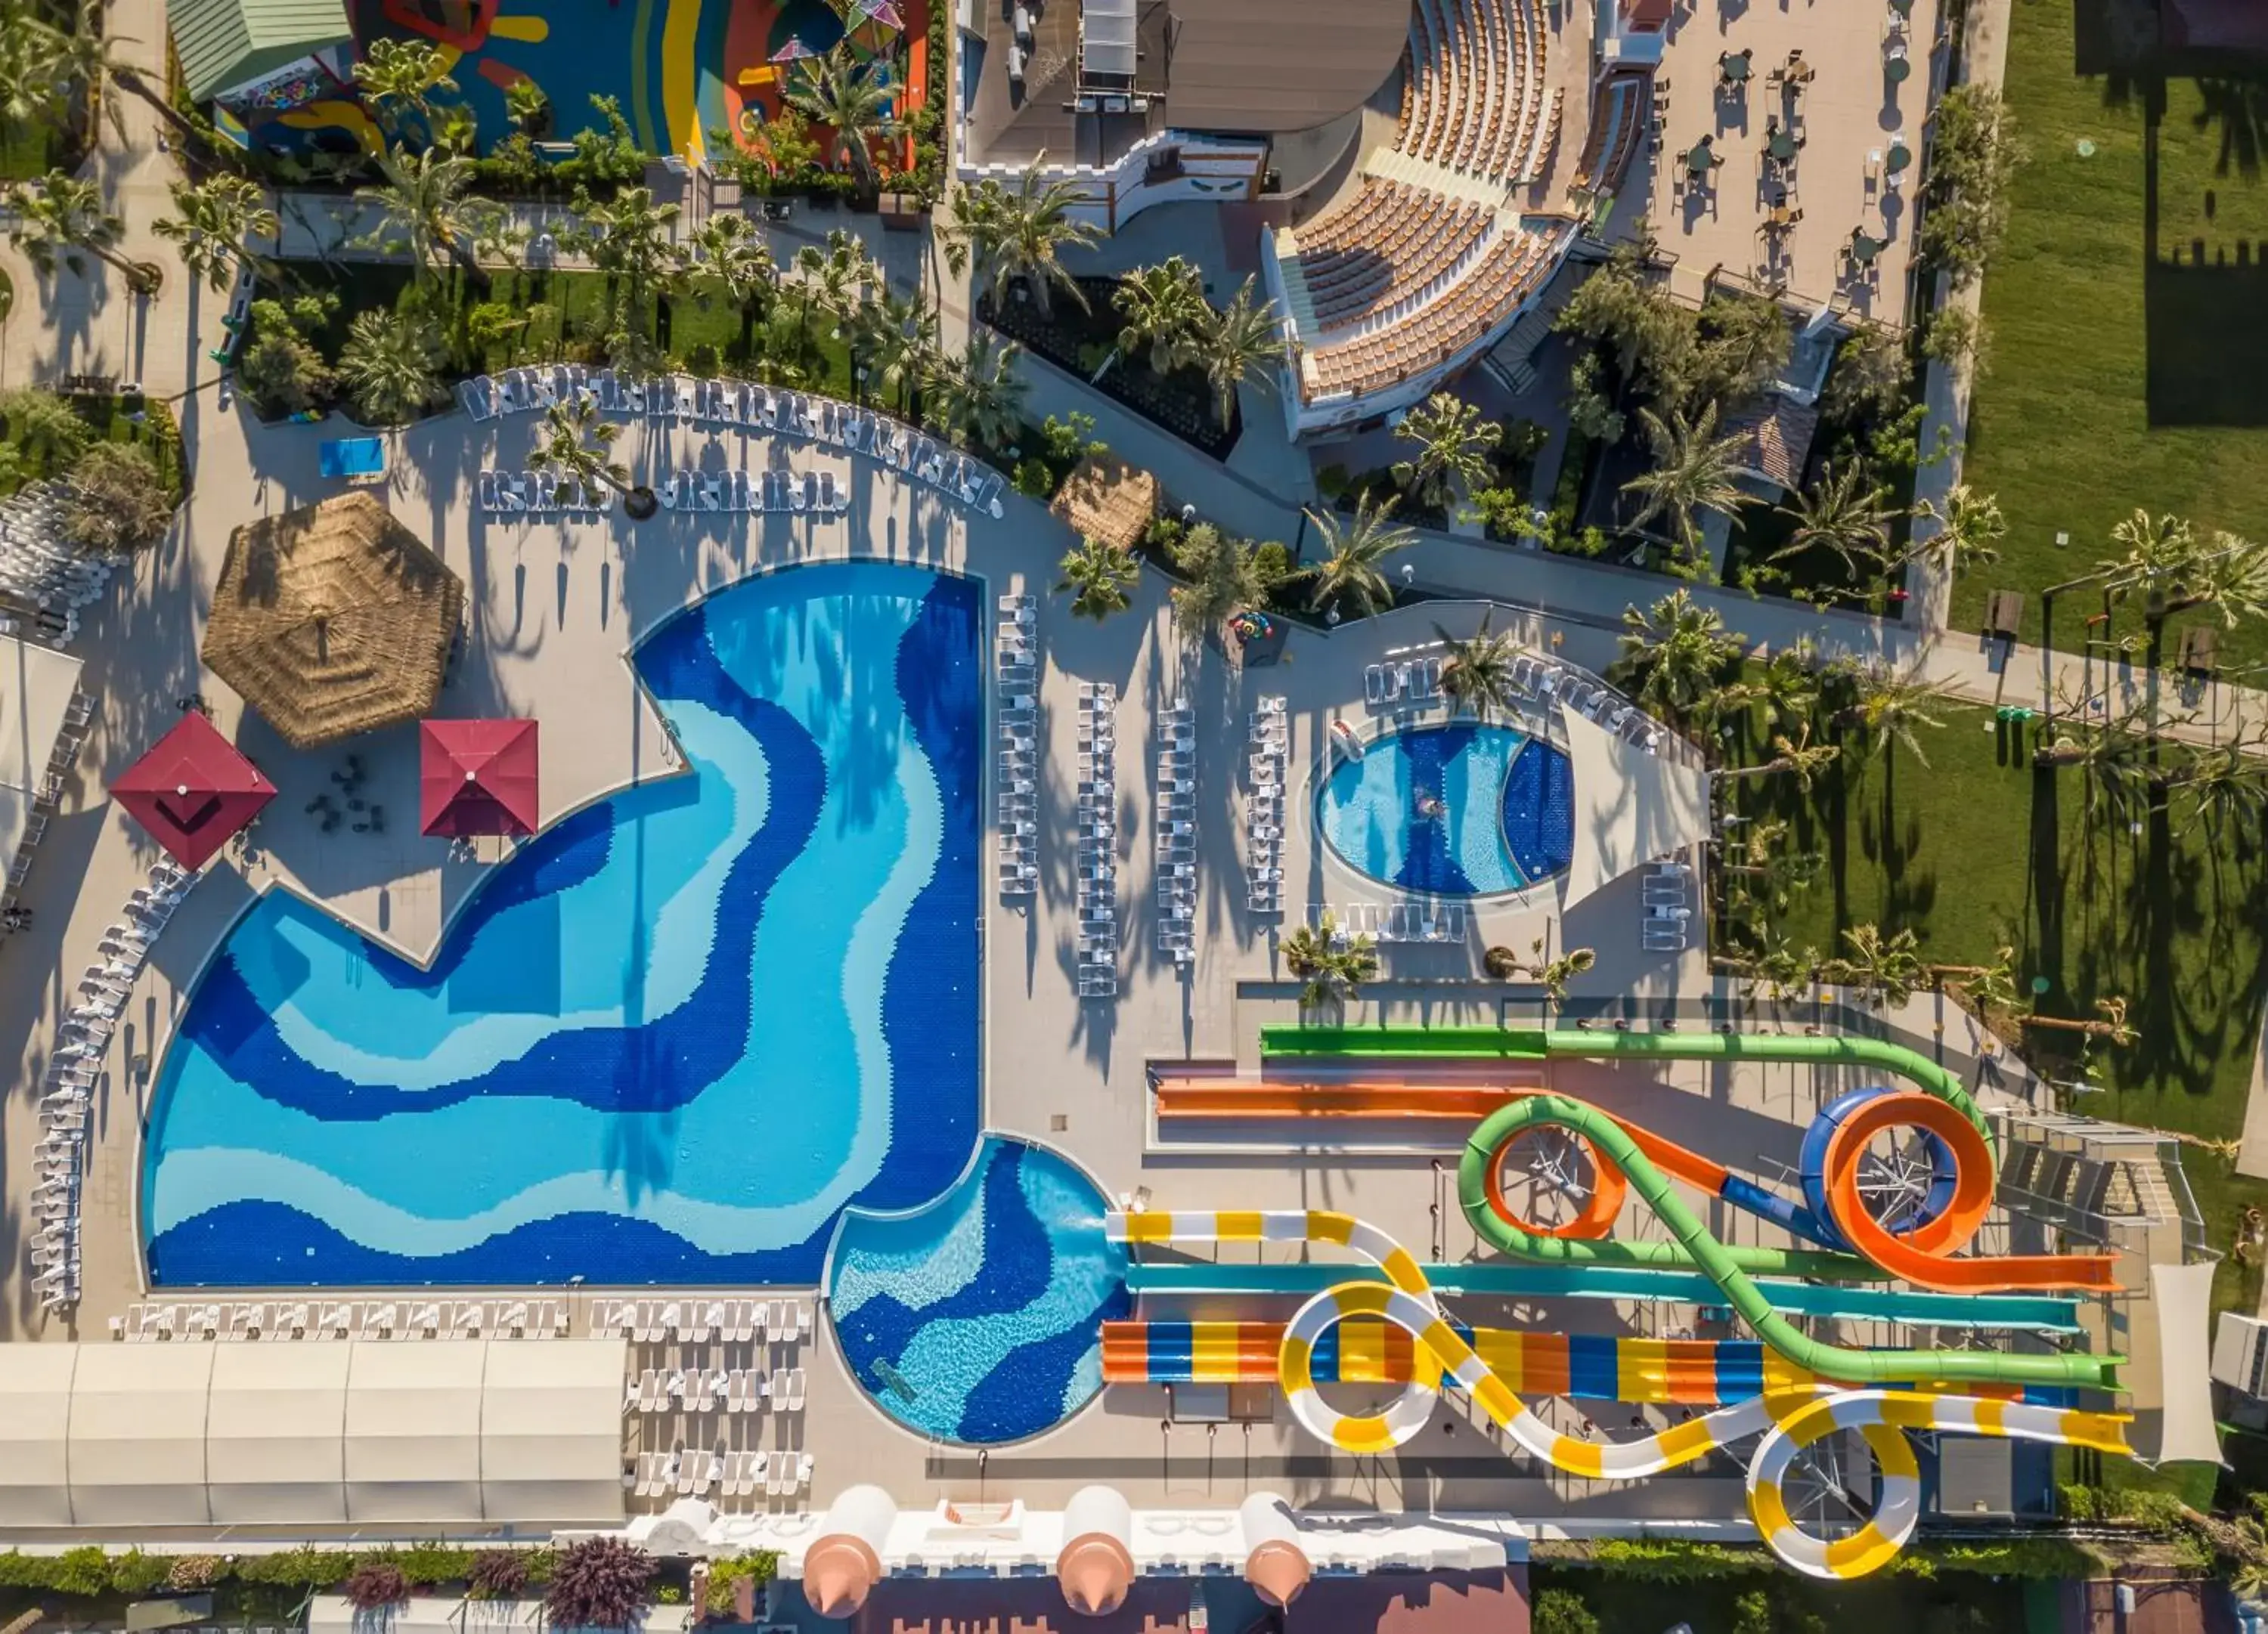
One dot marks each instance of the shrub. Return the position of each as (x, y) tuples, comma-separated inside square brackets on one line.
[(1561, 1611), (1665, 1560), (426, 1564), (1033, 478), (599, 1582), (704, 360), (497, 1574), (82, 1570), (305, 1567), (186, 1574), (375, 1584), (135, 1572), (1752, 1613), (669, 1594), (759, 1566)]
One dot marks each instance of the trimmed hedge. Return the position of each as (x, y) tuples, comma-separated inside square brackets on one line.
[(90, 1571)]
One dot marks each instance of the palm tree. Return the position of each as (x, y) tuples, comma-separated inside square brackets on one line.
[(1454, 444), (578, 444), (848, 96), (1551, 974), (1698, 472), (1242, 340), (1802, 757), (835, 280), (1103, 574), (979, 398), (1846, 513), (1674, 656), (392, 363), (1331, 965), (1162, 308), (1786, 684), (60, 217), (1886, 968), (1478, 673), (31, 96), (2224, 782), (2154, 549), (897, 343), (631, 239), (1889, 706), (214, 218), (2232, 575), (1969, 527), (730, 253), (1021, 235), (1349, 571), (81, 63), (1984, 988), (398, 78), (426, 212), (2111, 1024)]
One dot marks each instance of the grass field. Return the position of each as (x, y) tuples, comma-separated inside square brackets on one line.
[(1977, 849), (2099, 365)]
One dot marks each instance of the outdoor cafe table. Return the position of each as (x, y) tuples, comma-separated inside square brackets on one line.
[(1735, 66), (1698, 160), (1896, 67), (1781, 147), (1901, 156)]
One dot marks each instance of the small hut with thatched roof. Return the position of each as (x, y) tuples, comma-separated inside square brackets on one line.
[(332, 620), (1108, 500)]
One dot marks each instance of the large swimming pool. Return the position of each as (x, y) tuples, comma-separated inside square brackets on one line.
[(672, 1038), (1466, 809)]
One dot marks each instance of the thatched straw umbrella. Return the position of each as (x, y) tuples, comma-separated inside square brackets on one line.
[(332, 620), (1108, 500)]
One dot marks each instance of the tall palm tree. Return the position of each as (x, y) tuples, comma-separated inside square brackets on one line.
[(1889, 706), (2231, 575), (1786, 684), (83, 65), (850, 98), (1242, 340), (835, 280), (1478, 673), (897, 343), (426, 212), (1162, 309), (1800, 756), (1969, 527), (2154, 550), (730, 253), (60, 216), (1697, 472), (1019, 235), (31, 95), (1848, 513), (1884, 967), (1330, 964), (1673, 656), (578, 444), (1349, 575), (632, 240), (398, 78), (391, 365), (1102, 576), (214, 218), (979, 397), (1455, 444)]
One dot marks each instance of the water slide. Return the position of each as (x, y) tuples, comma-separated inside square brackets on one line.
[(1513, 1279), (1788, 1422), (1923, 1253)]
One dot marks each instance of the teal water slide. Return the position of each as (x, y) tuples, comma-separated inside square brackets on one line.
[(1693, 1248)]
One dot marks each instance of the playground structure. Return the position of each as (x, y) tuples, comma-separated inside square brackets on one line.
[(1894, 1185)]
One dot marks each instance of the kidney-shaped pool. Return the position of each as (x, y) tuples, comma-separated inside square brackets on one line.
[(1467, 809)]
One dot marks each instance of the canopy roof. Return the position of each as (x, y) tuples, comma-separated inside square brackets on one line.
[(332, 620), (193, 790), (1630, 806), (225, 44), (317, 1432), (476, 777)]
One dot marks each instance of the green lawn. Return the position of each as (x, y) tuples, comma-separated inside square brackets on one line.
[(2099, 366), (1978, 850)]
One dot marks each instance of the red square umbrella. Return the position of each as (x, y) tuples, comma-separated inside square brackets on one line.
[(476, 777), (193, 791)]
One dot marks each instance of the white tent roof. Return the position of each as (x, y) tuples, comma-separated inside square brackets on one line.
[(274, 1433), (36, 684), (137, 1435), (35, 1433), (551, 1428), (312, 1432), (1630, 806), (2183, 1294)]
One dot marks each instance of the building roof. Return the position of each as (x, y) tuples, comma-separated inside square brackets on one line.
[(314, 1433), (226, 44), (1278, 65), (1778, 433)]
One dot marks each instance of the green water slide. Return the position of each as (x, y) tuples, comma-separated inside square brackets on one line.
[(1693, 1246)]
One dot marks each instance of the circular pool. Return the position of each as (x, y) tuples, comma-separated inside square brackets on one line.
[(1467, 809)]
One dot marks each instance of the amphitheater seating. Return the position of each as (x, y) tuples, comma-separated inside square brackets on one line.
[(1473, 98), (1617, 117), (1507, 271), (1387, 245)]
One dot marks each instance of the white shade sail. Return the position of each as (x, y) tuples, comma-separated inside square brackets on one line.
[(2185, 1425), (312, 1432), (1630, 806)]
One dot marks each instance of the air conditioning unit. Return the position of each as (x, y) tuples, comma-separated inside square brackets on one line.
[(2239, 1355)]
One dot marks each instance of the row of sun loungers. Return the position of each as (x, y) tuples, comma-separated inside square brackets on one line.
[(698, 1473), (1666, 899), (70, 737), (656, 1321), (67, 1091), (749, 406), (717, 1389), (1413, 685), (1263, 807), (539, 493), (1098, 839), (1397, 921), (40, 566), (330, 1319), (1176, 837), (772, 492), (1016, 687)]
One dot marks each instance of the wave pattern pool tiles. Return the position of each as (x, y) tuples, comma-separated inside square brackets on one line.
[(1462, 810), (672, 1038), (979, 1320)]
